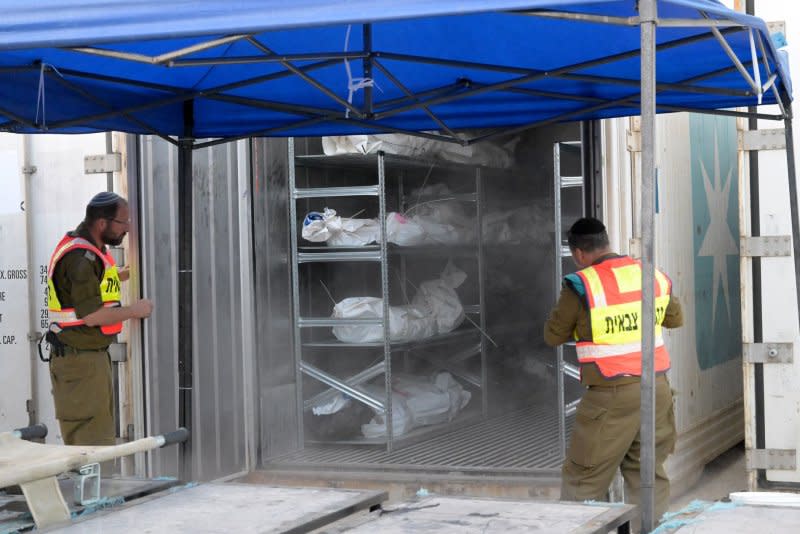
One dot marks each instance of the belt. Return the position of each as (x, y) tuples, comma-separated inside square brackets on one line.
[(76, 350), (662, 377)]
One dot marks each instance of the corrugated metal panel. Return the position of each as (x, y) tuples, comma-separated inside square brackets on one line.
[(277, 393), (159, 279), (219, 400)]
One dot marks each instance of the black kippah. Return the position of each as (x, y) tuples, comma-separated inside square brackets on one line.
[(106, 198), (587, 226)]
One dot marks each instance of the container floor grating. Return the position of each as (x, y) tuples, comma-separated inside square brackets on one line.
[(523, 442)]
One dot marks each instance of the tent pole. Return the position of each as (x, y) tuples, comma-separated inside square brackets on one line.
[(532, 75), (247, 60), (621, 56), (648, 14), (754, 428), (185, 286), (307, 78), (367, 66), (410, 94), (791, 168)]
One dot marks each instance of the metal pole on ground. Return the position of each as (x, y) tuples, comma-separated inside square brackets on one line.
[(647, 14)]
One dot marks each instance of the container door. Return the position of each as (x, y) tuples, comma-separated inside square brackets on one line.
[(16, 408), (769, 314)]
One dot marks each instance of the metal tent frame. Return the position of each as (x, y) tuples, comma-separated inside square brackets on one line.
[(374, 112)]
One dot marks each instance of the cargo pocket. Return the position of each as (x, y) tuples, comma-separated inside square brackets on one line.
[(74, 390), (589, 421), (673, 436)]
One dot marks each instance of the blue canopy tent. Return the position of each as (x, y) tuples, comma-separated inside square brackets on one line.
[(321, 68), (206, 69)]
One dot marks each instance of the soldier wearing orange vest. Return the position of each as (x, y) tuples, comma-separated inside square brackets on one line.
[(85, 317), (600, 308)]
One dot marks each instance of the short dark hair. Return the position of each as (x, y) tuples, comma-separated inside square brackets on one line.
[(103, 206), (587, 234)]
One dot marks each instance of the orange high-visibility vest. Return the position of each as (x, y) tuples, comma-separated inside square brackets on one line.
[(614, 297), (110, 291)]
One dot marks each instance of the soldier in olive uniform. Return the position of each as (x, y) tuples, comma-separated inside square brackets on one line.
[(600, 307), (86, 315)]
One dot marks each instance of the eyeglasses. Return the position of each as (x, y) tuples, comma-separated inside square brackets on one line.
[(127, 223)]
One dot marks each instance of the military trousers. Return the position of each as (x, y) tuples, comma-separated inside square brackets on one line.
[(83, 395), (606, 437)]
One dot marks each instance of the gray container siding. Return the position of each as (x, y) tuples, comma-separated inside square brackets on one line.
[(219, 406), (277, 378)]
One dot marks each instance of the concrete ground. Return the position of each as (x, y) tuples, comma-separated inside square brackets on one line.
[(723, 476)]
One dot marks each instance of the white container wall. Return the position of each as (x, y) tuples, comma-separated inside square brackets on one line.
[(697, 246), (780, 417), (29, 230)]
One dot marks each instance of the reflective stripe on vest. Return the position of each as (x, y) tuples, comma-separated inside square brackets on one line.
[(110, 290), (614, 297), (621, 360)]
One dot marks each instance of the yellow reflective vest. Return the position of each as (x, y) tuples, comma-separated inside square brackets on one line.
[(110, 290), (614, 299)]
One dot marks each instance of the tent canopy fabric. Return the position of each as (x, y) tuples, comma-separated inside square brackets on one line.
[(221, 69)]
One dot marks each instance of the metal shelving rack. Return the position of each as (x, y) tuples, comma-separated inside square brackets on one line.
[(562, 251), (381, 253)]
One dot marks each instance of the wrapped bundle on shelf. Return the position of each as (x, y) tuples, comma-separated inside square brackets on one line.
[(486, 153), (339, 418), (330, 228), (418, 401), (439, 297), (435, 309), (402, 230), (406, 323), (442, 215), (520, 225)]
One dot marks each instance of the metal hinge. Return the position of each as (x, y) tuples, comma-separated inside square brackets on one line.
[(763, 139), (780, 459), (86, 489), (29, 169), (634, 140), (102, 163), (118, 253), (635, 247), (118, 352), (35, 337), (768, 353), (766, 246), (777, 26)]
